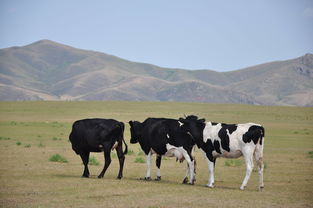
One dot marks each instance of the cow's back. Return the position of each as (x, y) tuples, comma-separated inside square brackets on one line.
[(177, 136), (167, 131), (155, 126)]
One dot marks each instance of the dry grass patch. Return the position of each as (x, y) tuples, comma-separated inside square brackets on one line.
[(29, 179)]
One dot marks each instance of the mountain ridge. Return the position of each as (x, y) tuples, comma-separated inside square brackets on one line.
[(46, 70)]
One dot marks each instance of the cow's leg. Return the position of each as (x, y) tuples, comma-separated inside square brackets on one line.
[(148, 174), (248, 155), (121, 158), (187, 174), (191, 166), (158, 164), (192, 172), (194, 169), (258, 156), (211, 166), (188, 171), (107, 163), (261, 168), (85, 158)]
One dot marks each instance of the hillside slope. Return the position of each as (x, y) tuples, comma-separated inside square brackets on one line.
[(46, 70), (277, 83)]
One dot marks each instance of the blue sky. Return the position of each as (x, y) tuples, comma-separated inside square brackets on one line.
[(219, 35)]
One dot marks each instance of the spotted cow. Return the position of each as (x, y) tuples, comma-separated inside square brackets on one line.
[(229, 141), (164, 137)]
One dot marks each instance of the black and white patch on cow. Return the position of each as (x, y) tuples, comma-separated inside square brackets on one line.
[(229, 141), (164, 137), (98, 135)]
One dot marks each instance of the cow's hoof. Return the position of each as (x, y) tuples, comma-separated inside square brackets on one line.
[(242, 188), (185, 181), (85, 176), (210, 185), (100, 176), (261, 188), (158, 178), (119, 177), (146, 179)]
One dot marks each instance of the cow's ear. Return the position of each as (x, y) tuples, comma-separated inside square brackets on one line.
[(182, 120), (202, 120), (131, 123)]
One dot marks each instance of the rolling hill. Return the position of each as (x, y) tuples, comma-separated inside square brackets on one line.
[(46, 70)]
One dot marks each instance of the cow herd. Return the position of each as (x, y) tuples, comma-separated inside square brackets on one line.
[(171, 138)]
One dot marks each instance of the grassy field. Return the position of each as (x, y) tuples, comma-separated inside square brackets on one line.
[(32, 132)]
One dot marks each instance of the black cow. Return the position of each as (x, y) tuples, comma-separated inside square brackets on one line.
[(98, 135), (165, 138)]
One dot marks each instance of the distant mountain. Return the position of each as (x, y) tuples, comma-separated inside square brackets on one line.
[(46, 70)]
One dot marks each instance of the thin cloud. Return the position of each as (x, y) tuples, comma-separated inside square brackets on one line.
[(308, 12)]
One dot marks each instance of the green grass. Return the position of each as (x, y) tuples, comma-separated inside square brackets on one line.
[(29, 179), (56, 139), (233, 162), (140, 160), (140, 153), (113, 155), (130, 152), (93, 161), (58, 158), (5, 138), (41, 145)]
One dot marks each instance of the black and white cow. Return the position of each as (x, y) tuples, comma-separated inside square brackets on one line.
[(98, 135), (164, 137), (229, 141)]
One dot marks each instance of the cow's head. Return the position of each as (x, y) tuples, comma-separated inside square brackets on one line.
[(135, 131), (193, 126)]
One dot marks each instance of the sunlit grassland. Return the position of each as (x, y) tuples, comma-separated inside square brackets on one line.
[(32, 132)]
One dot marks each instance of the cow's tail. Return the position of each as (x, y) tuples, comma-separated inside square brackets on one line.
[(126, 147), (122, 126)]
